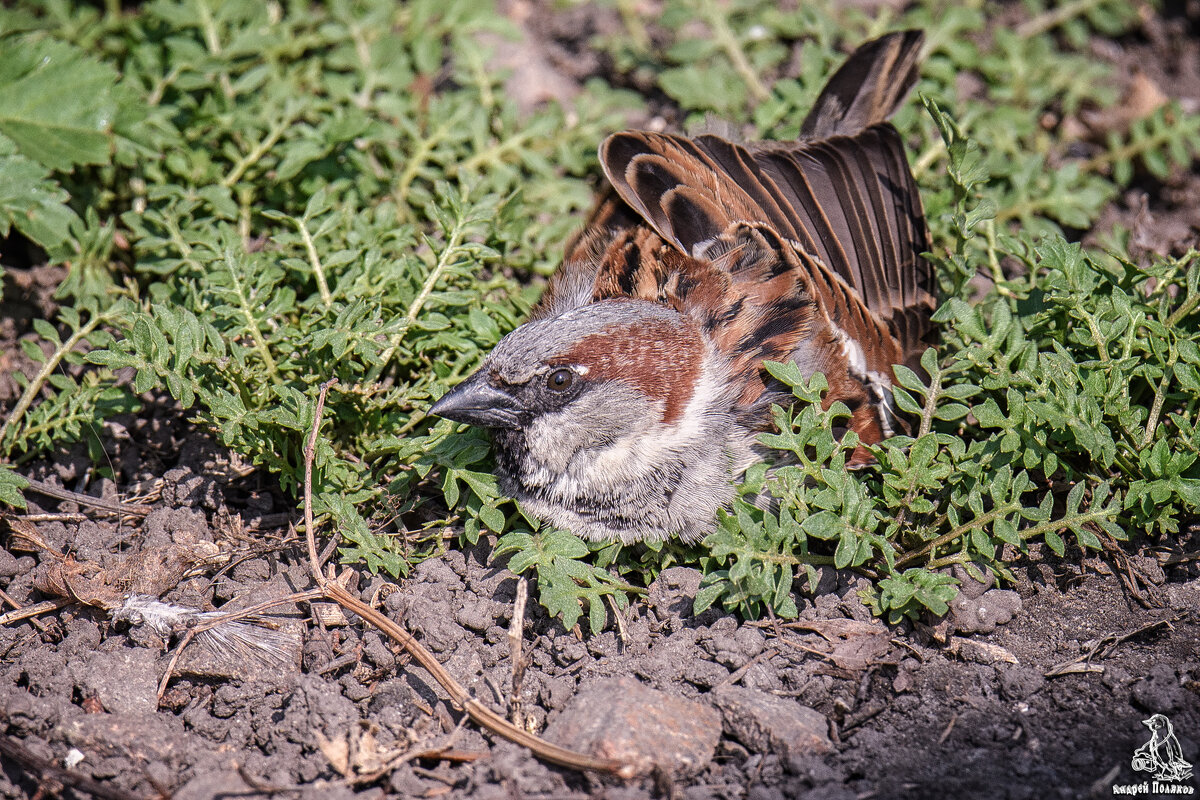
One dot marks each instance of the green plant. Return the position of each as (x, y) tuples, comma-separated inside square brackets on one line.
[(1040, 415), (254, 198)]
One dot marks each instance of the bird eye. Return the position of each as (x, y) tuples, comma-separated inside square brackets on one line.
[(560, 380)]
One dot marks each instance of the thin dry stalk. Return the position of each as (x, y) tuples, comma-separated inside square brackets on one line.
[(35, 610), (98, 503), (516, 647)]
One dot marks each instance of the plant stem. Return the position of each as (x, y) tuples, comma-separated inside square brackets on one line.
[(493, 154), (245, 200), (443, 263), (1189, 305), (260, 149), (1094, 328), (1033, 205), (1156, 407), (1049, 20), (935, 390), (211, 40), (39, 380), (260, 344), (728, 42), (160, 87), (957, 558), (998, 278), (946, 538), (314, 261), (183, 247), (362, 49), (420, 154), (1131, 150), (926, 159)]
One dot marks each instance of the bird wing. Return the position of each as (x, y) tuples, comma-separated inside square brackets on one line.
[(848, 200), (805, 251)]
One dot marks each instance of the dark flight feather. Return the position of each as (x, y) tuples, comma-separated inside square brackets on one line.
[(808, 250)]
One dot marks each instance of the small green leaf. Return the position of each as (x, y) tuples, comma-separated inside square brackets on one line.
[(11, 485)]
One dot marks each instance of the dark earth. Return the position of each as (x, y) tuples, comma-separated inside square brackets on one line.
[(1040, 689)]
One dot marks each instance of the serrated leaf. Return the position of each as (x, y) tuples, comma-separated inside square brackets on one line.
[(492, 517), (33, 203), (909, 379), (56, 103), (950, 411), (823, 525), (11, 485)]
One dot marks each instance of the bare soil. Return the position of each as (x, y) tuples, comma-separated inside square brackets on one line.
[(1038, 691)]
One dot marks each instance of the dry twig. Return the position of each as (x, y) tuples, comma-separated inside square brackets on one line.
[(35, 610), (1102, 647), (516, 641), (98, 503)]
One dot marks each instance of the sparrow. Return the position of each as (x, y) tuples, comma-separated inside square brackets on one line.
[(632, 400)]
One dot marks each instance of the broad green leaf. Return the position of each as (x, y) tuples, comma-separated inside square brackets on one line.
[(56, 102)]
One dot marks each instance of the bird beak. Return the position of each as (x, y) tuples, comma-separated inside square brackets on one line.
[(476, 402)]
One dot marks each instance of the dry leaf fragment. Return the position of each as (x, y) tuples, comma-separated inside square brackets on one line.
[(981, 652)]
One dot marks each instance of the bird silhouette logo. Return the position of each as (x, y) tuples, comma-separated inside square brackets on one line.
[(1162, 756)]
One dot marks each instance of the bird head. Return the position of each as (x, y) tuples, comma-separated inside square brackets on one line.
[(559, 367), (602, 415)]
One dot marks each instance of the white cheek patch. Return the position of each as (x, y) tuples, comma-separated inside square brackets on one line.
[(550, 448), (623, 441), (607, 467), (616, 457), (577, 446), (643, 450)]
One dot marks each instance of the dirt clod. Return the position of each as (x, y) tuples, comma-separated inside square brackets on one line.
[(983, 613), (626, 720), (768, 724)]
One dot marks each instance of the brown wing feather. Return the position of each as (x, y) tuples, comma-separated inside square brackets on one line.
[(850, 205), (849, 200), (808, 250), (857, 194), (679, 190)]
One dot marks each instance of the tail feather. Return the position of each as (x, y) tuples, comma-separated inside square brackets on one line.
[(868, 88)]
